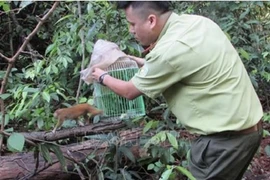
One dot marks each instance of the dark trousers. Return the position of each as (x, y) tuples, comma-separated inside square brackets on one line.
[(223, 156)]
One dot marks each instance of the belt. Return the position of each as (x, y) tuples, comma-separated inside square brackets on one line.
[(252, 129)]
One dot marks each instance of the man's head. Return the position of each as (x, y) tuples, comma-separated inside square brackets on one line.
[(146, 18)]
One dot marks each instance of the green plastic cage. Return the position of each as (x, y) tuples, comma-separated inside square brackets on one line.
[(113, 105)]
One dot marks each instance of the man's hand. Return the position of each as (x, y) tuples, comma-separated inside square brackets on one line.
[(97, 72), (125, 89), (139, 61)]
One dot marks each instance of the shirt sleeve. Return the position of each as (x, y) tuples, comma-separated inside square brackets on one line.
[(166, 66), (156, 75)]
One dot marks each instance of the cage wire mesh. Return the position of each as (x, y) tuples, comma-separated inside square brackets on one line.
[(113, 105)]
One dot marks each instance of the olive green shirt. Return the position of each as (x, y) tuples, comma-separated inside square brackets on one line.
[(200, 74)]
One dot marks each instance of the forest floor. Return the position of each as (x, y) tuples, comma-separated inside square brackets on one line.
[(260, 165)]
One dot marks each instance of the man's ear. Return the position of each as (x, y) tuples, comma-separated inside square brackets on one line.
[(152, 19)]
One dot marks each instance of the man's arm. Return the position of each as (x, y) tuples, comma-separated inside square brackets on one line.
[(125, 89)]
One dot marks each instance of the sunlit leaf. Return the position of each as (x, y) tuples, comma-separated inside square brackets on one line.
[(5, 6), (40, 123), (185, 172), (166, 174), (172, 139), (162, 136), (46, 96), (5, 96), (147, 126), (63, 18), (55, 69), (150, 166), (49, 48), (31, 90), (244, 54), (16, 142)]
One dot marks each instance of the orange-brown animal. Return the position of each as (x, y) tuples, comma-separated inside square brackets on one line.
[(74, 112)]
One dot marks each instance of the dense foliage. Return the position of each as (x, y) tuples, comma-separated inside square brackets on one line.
[(46, 75)]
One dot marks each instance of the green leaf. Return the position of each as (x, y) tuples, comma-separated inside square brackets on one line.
[(56, 149), (162, 136), (172, 140), (166, 114), (266, 133), (185, 172), (9, 130), (49, 48), (228, 36), (267, 150), (5, 6), (31, 90), (68, 59), (16, 142), (246, 26), (166, 174), (55, 69), (63, 18), (40, 123), (253, 22), (135, 173), (150, 166), (61, 94), (244, 13), (89, 7), (48, 70), (30, 73), (147, 127), (244, 54), (54, 96), (7, 118), (83, 100), (125, 174), (5, 96), (127, 153), (24, 94), (44, 149), (65, 63), (154, 151), (46, 96), (91, 31)]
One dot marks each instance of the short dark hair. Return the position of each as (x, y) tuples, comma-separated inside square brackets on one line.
[(159, 6)]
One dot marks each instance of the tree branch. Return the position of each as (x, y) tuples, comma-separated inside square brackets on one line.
[(98, 128), (12, 60)]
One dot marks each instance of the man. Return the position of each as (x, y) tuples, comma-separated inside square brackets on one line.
[(200, 74)]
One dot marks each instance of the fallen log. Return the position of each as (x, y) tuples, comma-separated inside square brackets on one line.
[(23, 165), (98, 128)]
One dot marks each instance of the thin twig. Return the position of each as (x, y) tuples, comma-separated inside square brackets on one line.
[(83, 50)]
